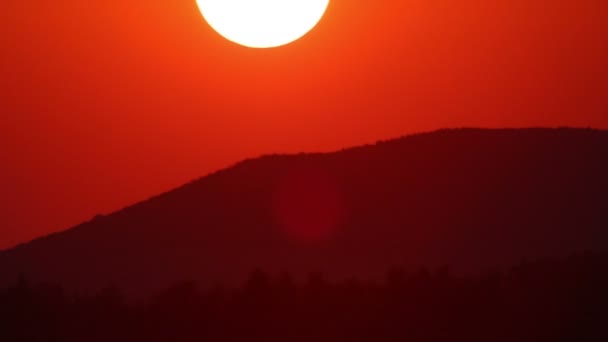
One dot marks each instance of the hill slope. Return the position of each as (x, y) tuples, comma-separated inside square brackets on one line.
[(467, 198)]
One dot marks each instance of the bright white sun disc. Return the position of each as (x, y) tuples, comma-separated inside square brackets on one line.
[(262, 23)]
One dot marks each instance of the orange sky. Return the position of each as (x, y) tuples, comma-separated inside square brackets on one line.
[(107, 102)]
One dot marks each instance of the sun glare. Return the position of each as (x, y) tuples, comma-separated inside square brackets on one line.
[(262, 23)]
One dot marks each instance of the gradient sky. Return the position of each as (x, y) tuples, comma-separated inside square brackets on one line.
[(107, 102)]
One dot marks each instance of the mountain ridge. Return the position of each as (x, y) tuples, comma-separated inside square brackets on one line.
[(185, 230)]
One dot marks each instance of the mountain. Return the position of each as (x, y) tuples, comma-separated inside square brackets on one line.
[(471, 199)]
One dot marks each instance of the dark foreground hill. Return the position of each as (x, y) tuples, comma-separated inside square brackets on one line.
[(470, 199), (542, 301)]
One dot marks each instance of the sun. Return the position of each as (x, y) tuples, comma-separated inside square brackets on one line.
[(262, 23)]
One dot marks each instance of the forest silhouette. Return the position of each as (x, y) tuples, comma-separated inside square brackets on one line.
[(543, 300)]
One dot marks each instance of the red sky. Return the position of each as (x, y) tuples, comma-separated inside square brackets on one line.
[(107, 102)]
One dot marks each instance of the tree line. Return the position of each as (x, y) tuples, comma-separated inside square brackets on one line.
[(546, 300)]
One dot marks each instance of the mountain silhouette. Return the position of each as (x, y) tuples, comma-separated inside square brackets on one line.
[(470, 199)]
